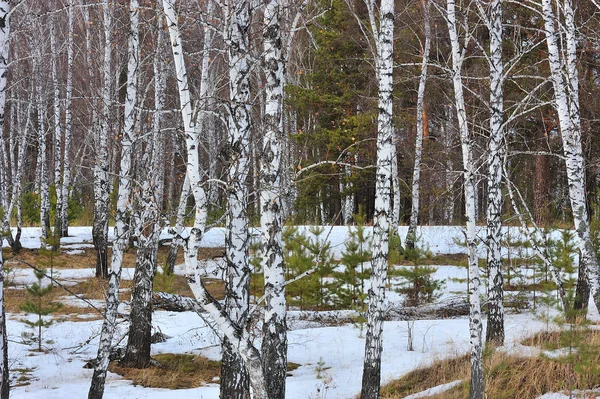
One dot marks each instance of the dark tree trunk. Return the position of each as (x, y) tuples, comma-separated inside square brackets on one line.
[(235, 382), (171, 259), (541, 189), (101, 253), (582, 291), (137, 352), (274, 348)]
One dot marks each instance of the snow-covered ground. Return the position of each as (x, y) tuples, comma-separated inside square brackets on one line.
[(332, 353)]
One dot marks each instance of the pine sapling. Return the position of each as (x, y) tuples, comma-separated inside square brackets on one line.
[(37, 304)]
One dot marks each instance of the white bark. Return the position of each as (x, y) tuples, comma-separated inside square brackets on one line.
[(4, 47), (57, 128), (274, 345), (191, 141), (239, 337), (42, 159), (495, 327), (148, 224), (236, 243), (101, 176), (566, 99), (475, 321), (416, 179), (371, 379), (122, 229), (64, 207)]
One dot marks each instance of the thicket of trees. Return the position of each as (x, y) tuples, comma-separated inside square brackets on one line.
[(156, 113)]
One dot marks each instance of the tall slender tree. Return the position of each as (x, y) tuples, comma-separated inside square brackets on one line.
[(384, 39), (147, 222), (101, 166), (495, 326), (274, 344), (565, 81), (475, 321), (416, 179), (66, 175), (122, 227), (4, 51)]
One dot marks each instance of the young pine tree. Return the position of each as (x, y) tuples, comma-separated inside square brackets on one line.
[(349, 286), (38, 304), (418, 284)]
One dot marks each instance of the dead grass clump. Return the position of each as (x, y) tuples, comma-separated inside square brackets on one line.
[(440, 372), (509, 377), (215, 287), (176, 371)]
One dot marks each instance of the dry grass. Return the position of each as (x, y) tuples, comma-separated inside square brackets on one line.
[(440, 372), (88, 258), (177, 371), (94, 288), (509, 377)]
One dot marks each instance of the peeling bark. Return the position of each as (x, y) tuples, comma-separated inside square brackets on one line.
[(495, 326), (274, 343), (371, 378), (475, 319), (122, 228), (416, 180)]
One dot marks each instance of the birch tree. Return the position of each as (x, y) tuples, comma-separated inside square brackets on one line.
[(38, 48), (495, 326), (238, 335), (58, 140), (274, 343), (416, 180), (4, 51), (383, 36), (148, 226), (565, 82), (475, 322), (66, 177), (101, 177), (122, 229), (234, 377)]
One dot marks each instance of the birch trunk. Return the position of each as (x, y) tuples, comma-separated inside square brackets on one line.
[(274, 343), (416, 180), (64, 207), (17, 189), (57, 131), (137, 352), (239, 337), (122, 230), (4, 51), (234, 376), (495, 325), (178, 230), (475, 322), (42, 159), (396, 200), (371, 378), (449, 166), (101, 176), (566, 98)]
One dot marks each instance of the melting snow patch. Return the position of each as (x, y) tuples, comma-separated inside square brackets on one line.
[(435, 390)]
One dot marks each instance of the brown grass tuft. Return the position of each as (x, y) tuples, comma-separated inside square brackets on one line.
[(440, 372), (509, 377), (177, 371)]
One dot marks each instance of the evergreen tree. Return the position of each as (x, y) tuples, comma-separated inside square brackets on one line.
[(418, 284), (37, 304), (349, 285)]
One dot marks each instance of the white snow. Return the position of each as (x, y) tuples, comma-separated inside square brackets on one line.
[(336, 353)]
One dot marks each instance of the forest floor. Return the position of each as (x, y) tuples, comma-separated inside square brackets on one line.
[(325, 360)]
